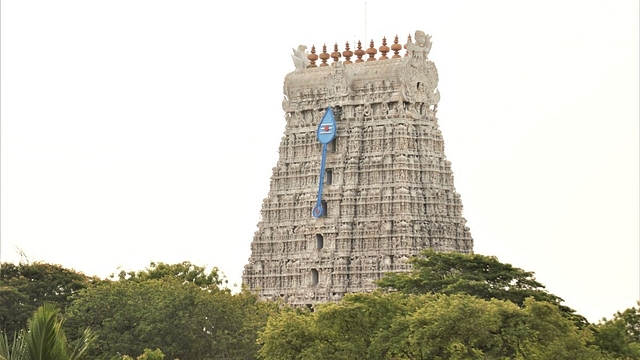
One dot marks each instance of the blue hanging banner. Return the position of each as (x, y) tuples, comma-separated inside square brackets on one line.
[(326, 132), (327, 127)]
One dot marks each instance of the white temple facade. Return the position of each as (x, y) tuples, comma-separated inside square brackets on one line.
[(388, 188)]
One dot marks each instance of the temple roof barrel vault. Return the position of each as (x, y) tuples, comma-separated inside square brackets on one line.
[(386, 187)]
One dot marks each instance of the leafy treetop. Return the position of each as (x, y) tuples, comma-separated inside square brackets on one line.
[(26, 286), (482, 276), (185, 271)]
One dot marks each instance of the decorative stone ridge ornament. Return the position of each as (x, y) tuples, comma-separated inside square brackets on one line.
[(385, 190)]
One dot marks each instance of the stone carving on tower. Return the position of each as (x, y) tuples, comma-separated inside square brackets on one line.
[(386, 188)]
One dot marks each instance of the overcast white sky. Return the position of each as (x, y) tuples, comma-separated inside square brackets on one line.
[(139, 131)]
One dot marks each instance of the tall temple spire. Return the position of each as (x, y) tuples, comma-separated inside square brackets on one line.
[(383, 182)]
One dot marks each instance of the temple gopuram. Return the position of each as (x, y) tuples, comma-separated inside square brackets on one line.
[(362, 182)]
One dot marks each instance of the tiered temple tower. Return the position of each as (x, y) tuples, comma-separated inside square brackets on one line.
[(388, 188)]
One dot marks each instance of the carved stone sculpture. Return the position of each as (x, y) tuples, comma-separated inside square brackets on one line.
[(299, 57)]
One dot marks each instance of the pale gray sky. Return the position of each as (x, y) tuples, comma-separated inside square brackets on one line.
[(138, 131)]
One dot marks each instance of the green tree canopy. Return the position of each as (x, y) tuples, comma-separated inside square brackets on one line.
[(25, 287), (44, 339), (177, 308), (482, 276), (619, 337), (399, 326), (148, 354), (345, 330), (184, 271)]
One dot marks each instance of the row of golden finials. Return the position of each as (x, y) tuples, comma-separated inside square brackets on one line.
[(359, 53)]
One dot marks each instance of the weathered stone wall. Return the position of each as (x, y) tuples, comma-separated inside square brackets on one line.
[(388, 187)]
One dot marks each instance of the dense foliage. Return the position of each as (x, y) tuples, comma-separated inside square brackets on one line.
[(450, 306), (620, 337), (176, 308), (25, 287), (185, 272), (399, 326), (481, 276), (44, 339)]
